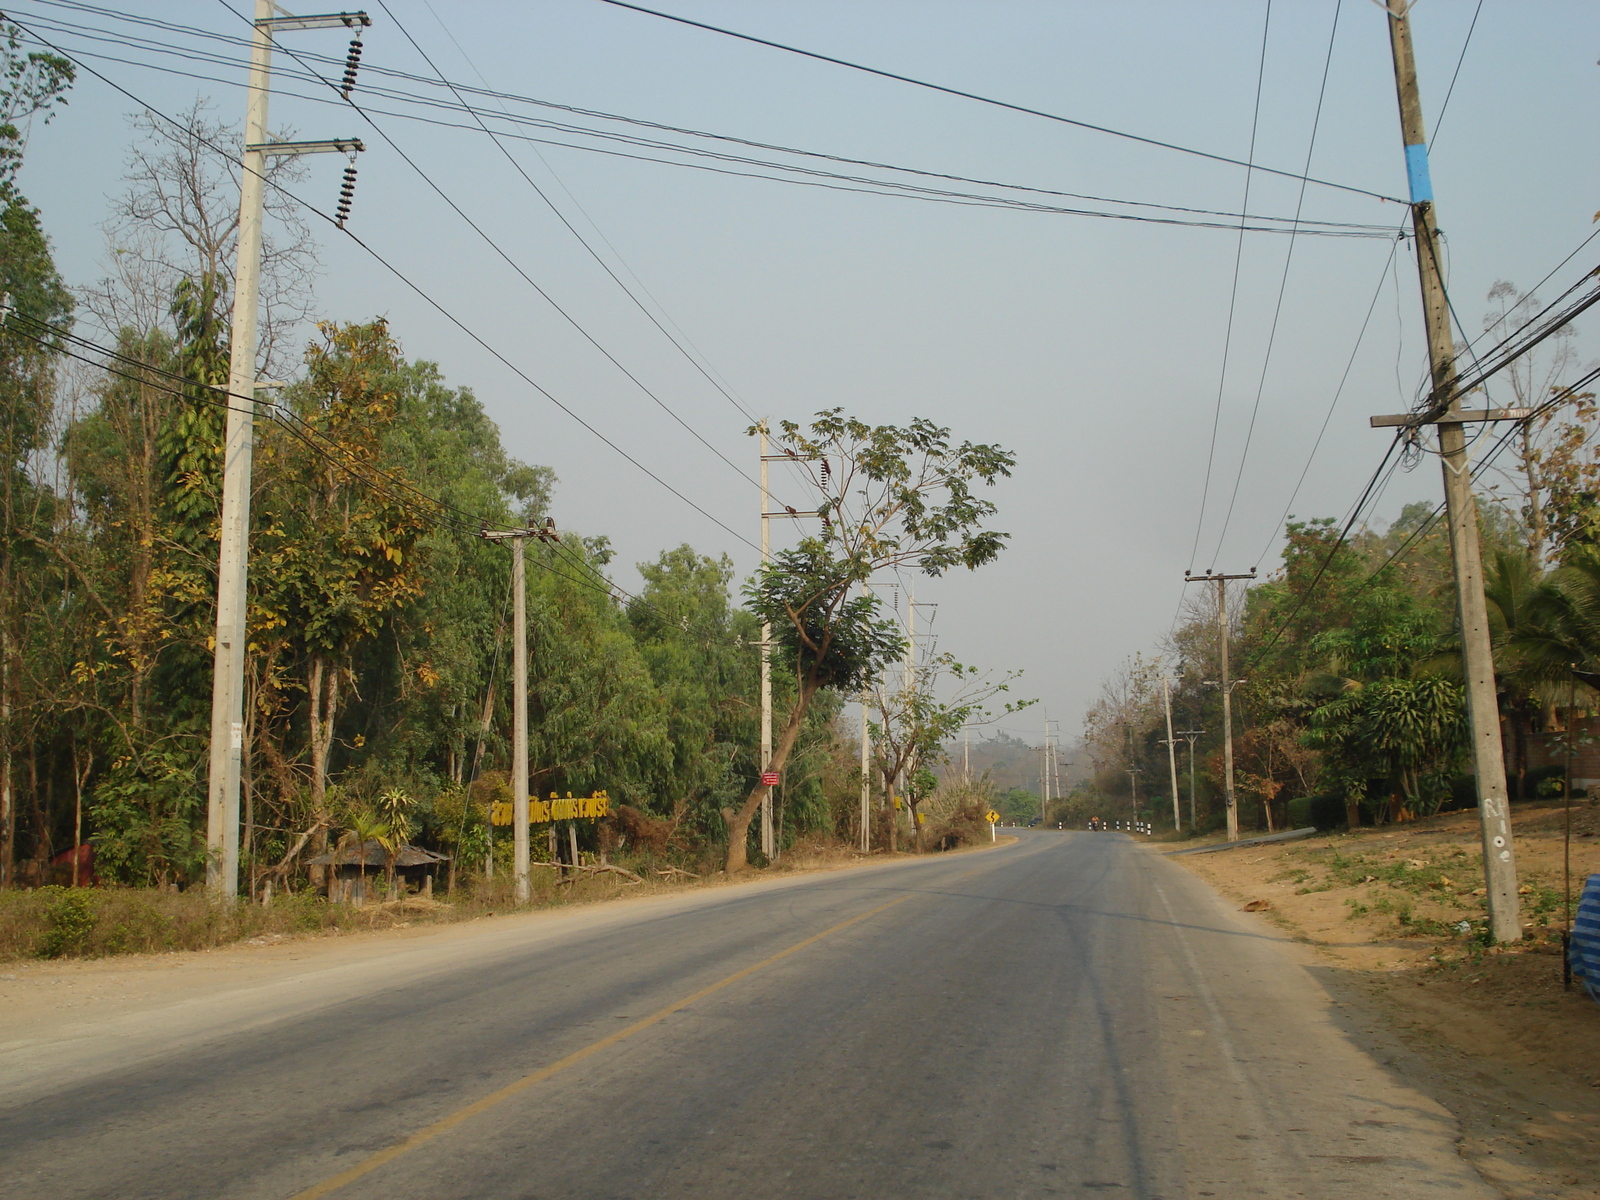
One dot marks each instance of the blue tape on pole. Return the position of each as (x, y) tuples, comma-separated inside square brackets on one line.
[(1417, 173)]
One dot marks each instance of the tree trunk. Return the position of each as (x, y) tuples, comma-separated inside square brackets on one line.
[(889, 798), (738, 820), (1352, 812), (916, 823), (82, 763), (324, 711), (8, 801)]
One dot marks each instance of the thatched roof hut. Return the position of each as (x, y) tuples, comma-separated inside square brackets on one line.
[(353, 870), (372, 855)]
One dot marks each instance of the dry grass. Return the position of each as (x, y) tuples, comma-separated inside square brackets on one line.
[(63, 922)]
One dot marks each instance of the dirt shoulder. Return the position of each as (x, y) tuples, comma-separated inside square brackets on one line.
[(1395, 919)]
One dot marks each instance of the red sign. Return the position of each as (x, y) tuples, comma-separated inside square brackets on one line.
[(769, 778)]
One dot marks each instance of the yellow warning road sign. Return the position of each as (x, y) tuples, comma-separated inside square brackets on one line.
[(992, 817)]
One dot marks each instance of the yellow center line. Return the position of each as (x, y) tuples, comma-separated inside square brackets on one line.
[(444, 1124)]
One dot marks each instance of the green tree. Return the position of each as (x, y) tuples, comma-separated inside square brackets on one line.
[(702, 655), (915, 726), (30, 84), (891, 497)]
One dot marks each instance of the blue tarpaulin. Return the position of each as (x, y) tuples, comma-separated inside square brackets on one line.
[(1585, 952)]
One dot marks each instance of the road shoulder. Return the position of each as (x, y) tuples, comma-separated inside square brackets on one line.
[(1488, 1034)]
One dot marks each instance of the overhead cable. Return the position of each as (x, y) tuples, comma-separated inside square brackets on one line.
[(515, 266), (1032, 112), (1233, 296), (414, 288), (787, 173), (1283, 287)]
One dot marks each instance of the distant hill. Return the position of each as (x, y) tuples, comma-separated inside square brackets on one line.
[(1012, 762)]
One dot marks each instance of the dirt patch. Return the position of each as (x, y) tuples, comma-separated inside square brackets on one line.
[(1396, 917)]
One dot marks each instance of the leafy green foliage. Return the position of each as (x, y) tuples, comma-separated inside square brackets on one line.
[(69, 921), (30, 84)]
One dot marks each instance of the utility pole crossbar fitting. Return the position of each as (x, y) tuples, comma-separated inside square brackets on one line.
[(324, 21), (1415, 420), (329, 146)]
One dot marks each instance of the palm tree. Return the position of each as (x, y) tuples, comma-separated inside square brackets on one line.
[(1560, 635), (394, 805), (364, 827)]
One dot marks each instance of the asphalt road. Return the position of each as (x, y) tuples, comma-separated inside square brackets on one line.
[(1069, 1016)]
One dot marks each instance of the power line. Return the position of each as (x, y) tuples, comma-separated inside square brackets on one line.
[(1283, 287), (1344, 534), (515, 266), (806, 176), (1338, 391), (375, 479), (415, 288), (815, 179), (1489, 456), (1454, 75), (1032, 112), (1233, 292), (540, 192)]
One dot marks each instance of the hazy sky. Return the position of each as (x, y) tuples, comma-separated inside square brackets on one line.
[(1091, 347)]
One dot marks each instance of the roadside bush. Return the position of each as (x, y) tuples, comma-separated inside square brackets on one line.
[(964, 826), (62, 922), (1325, 811), (1544, 782), (68, 921)]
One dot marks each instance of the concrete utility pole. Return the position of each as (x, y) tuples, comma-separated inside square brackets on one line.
[(1227, 686), (1055, 763), (519, 694), (519, 719), (1133, 785), (1172, 751), (866, 778), (908, 681), (1488, 753), (767, 844), (1189, 736), (227, 682), (1044, 773), (866, 760)]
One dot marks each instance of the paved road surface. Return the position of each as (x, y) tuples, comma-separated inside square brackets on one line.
[(1069, 1016)]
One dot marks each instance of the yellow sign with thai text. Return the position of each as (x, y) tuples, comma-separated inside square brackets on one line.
[(557, 808)]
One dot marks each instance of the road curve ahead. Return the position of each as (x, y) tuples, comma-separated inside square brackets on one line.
[(1069, 1016)]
